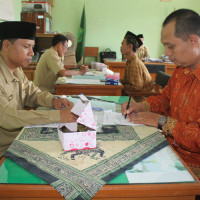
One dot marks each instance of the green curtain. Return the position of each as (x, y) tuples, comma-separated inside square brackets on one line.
[(81, 37)]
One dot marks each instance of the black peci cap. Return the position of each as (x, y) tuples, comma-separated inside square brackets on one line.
[(17, 29), (134, 39), (140, 36)]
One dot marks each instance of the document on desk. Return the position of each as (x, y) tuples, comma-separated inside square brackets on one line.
[(83, 81), (114, 118), (93, 77), (155, 60), (65, 80)]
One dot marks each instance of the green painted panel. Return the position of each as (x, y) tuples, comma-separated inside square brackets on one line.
[(108, 20)]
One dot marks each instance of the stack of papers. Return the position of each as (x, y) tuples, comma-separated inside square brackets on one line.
[(155, 60), (65, 80), (83, 81)]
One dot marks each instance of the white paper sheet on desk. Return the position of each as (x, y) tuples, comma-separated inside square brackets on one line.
[(83, 81), (156, 60), (88, 74), (113, 118)]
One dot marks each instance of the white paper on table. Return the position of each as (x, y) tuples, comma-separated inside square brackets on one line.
[(83, 81), (89, 74), (113, 118)]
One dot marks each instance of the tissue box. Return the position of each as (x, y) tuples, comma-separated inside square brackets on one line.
[(73, 140), (112, 79), (77, 140)]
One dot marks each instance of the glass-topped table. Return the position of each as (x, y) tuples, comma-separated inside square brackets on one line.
[(160, 176)]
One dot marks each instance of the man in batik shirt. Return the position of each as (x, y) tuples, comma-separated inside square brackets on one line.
[(177, 110), (136, 77)]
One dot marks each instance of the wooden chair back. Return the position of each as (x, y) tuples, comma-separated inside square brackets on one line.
[(90, 52)]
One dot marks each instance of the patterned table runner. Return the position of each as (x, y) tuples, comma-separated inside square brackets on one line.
[(80, 174)]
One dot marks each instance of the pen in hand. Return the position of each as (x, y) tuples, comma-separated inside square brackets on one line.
[(128, 105)]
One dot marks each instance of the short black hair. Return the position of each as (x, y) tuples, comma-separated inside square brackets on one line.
[(59, 38), (1, 44), (12, 40), (187, 23)]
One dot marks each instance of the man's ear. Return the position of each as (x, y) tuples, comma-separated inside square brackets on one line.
[(130, 46), (60, 44), (6, 44), (194, 40)]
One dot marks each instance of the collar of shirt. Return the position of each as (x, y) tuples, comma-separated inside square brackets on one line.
[(54, 51), (133, 58), (8, 75), (196, 72)]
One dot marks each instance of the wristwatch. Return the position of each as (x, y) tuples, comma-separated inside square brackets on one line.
[(161, 121), (56, 97)]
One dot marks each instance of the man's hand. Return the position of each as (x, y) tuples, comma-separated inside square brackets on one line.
[(146, 118), (83, 69), (66, 116), (62, 103), (133, 108)]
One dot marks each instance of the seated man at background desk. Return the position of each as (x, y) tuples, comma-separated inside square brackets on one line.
[(136, 77), (16, 91), (142, 52), (50, 65), (177, 110)]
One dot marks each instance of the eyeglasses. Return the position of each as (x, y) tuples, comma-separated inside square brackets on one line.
[(66, 46)]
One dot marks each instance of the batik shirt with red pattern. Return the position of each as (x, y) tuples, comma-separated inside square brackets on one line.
[(180, 101)]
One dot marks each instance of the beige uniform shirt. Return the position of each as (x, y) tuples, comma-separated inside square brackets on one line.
[(143, 52), (47, 70), (16, 91)]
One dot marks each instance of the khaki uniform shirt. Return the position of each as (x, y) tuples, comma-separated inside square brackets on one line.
[(16, 91), (137, 77), (143, 52), (47, 70)]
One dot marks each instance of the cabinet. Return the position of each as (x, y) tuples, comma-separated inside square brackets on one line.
[(42, 20), (43, 41)]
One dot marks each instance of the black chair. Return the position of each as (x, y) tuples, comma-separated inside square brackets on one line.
[(161, 81)]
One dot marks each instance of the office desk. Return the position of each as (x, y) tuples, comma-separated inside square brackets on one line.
[(118, 189), (92, 90), (29, 71), (119, 66), (41, 191)]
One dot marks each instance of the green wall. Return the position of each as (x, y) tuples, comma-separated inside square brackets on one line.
[(108, 20)]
